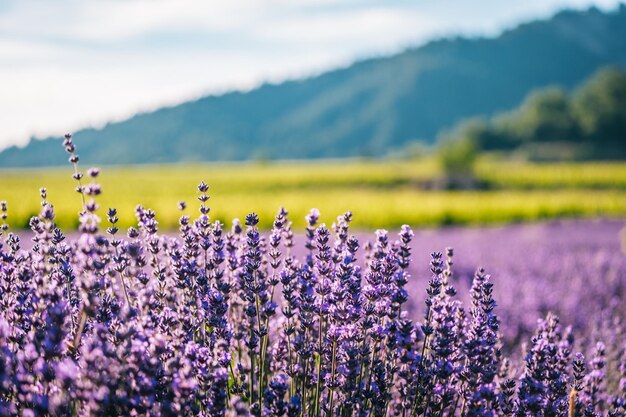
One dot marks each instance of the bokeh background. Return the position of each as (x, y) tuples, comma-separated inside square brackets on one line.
[(422, 112)]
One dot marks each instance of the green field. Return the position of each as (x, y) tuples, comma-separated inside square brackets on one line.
[(380, 194)]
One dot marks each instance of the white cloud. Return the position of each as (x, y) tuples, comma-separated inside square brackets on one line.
[(381, 25), (56, 99), (108, 21)]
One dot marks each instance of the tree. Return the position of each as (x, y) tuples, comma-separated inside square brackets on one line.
[(457, 158), (600, 107), (550, 124)]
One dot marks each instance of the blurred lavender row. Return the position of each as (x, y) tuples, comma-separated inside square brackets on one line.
[(573, 268)]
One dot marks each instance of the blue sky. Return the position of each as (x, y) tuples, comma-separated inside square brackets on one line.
[(67, 64)]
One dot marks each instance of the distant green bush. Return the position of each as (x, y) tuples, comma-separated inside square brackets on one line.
[(550, 124), (457, 160)]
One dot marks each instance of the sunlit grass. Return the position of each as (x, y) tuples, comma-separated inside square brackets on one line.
[(606, 175), (380, 194)]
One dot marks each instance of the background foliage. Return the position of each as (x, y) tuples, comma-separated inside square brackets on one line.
[(552, 124)]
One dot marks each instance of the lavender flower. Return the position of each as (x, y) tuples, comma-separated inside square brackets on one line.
[(218, 322)]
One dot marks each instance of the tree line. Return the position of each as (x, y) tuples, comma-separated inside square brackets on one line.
[(586, 123)]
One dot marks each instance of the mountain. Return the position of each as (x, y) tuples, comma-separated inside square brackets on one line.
[(366, 109)]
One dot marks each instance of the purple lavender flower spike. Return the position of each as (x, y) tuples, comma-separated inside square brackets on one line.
[(243, 322)]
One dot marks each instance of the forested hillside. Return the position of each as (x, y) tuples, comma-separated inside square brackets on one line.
[(367, 109)]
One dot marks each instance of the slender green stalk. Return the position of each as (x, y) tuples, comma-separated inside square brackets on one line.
[(79, 331), (117, 254), (332, 378), (460, 394), (251, 382), (421, 364), (77, 175), (362, 368), (261, 355), (319, 363), (305, 364)]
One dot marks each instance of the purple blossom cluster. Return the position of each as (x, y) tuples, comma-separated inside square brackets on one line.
[(225, 322), (573, 268)]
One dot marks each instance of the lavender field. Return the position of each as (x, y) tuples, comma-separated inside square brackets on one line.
[(576, 269), (318, 208), (224, 320)]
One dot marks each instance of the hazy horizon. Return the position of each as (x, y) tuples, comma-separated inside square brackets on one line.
[(70, 65)]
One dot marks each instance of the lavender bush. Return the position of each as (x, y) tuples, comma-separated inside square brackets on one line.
[(220, 322), (574, 268)]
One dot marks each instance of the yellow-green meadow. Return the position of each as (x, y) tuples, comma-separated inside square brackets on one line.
[(379, 193)]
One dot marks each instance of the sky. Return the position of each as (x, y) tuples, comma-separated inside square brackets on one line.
[(69, 64)]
